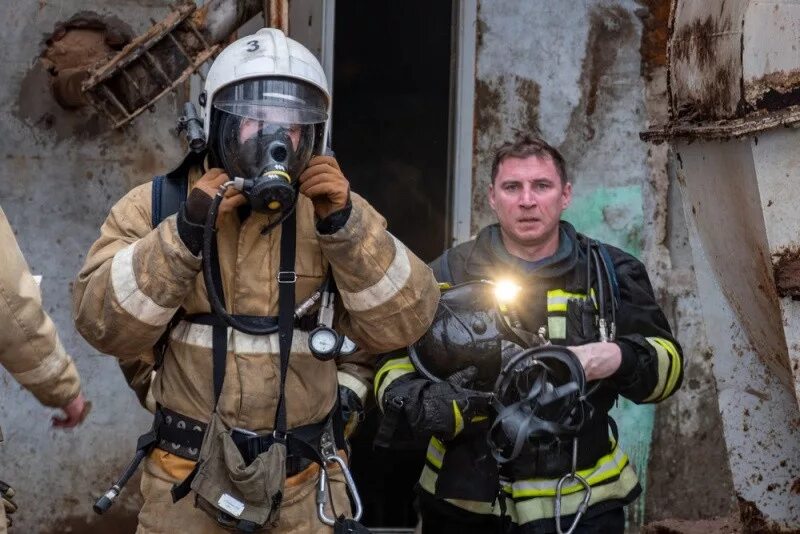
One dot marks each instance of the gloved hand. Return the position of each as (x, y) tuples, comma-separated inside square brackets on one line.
[(7, 494), (326, 186), (442, 409), (352, 409), (193, 212), (203, 193)]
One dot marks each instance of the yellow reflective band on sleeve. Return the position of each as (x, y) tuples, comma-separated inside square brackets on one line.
[(557, 299), (444, 286), (478, 418), (675, 368), (608, 467), (435, 453), (388, 373), (663, 371), (669, 364), (459, 419), (557, 327)]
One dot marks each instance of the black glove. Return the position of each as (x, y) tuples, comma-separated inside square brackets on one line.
[(7, 494), (191, 219), (352, 409), (442, 409)]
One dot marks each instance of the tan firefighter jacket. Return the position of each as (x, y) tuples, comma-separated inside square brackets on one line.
[(135, 279), (29, 345)]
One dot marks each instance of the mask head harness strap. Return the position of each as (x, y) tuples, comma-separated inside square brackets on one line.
[(539, 395)]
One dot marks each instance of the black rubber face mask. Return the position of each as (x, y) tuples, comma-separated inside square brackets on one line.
[(265, 131), (248, 148)]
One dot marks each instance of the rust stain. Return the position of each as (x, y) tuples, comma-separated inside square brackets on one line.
[(695, 42), (756, 393), (74, 45), (786, 269), (774, 91), (753, 520), (487, 106), (606, 25), (696, 47), (528, 93), (727, 525), (118, 520), (655, 35), (494, 102)]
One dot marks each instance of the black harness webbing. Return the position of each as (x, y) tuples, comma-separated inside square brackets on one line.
[(296, 446)]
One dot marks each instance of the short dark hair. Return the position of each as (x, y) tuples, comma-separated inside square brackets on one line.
[(525, 146)]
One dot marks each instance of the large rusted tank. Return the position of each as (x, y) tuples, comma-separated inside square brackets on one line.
[(734, 96)]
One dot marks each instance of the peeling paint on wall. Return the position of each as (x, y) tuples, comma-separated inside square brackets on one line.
[(610, 214), (61, 173), (600, 72)]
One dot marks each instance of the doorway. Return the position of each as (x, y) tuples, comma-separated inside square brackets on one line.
[(391, 135)]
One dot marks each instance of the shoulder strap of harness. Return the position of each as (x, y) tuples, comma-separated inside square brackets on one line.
[(168, 193), (170, 189)]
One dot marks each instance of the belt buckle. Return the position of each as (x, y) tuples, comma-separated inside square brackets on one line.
[(286, 277)]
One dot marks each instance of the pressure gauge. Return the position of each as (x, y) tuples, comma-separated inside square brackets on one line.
[(324, 343), (348, 347)]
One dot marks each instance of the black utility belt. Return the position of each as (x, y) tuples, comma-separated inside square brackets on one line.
[(183, 437)]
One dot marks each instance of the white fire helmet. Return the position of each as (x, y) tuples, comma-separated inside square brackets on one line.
[(259, 87)]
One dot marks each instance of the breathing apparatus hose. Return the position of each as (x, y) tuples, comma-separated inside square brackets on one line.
[(209, 258)]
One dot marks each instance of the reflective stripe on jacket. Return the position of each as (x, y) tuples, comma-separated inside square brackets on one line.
[(30, 348), (136, 277)]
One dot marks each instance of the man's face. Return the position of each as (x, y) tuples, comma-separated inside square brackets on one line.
[(528, 198), (251, 127)]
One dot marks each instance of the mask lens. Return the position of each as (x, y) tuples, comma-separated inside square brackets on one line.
[(261, 122)]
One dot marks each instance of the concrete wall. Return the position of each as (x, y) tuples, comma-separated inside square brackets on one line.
[(589, 76), (60, 174)]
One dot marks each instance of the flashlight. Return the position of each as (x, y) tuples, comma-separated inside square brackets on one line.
[(506, 292)]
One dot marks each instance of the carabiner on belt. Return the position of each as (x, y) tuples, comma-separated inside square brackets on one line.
[(572, 476), (329, 455)]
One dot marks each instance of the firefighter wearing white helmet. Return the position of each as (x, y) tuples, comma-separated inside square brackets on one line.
[(219, 390)]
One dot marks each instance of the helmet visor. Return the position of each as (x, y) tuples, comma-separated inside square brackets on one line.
[(277, 100)]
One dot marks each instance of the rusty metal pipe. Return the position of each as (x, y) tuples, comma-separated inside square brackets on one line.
[(218, 19), (278, 16)]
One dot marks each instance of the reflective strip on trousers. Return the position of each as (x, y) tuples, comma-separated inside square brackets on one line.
[(354, 384), (537, 508)]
